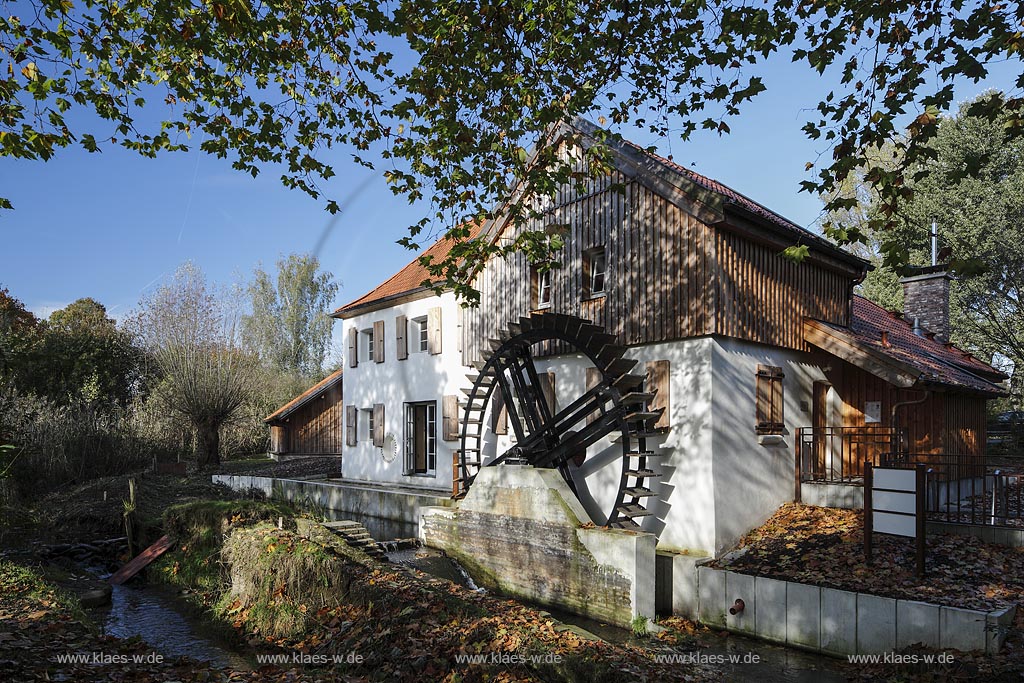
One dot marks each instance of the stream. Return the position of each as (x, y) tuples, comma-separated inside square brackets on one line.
[(169, 626), (731, 654)]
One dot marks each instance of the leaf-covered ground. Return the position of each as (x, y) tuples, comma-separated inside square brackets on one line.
[(825, 546)]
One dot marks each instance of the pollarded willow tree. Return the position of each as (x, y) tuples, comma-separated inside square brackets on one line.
[(447, 97), (192, 336)]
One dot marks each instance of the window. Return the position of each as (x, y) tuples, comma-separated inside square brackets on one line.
[(421, 438), (594, 270), (367, 350), (366, 425), (541, 288), (770, 418), (421, 336)]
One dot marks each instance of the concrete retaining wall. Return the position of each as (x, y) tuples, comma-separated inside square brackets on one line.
[(344, 499), (829, 620), (998, 535), (844, 496), (521, 531)]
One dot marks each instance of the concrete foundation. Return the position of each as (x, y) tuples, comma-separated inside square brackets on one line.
[(829, 620), (522, 532)]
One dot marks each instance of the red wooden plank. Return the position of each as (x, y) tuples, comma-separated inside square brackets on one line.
[(136, 565)]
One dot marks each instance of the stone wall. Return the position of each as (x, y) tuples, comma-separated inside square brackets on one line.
[(522, 532), (926, 297)]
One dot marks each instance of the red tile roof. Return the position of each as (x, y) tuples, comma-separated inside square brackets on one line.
[(937, 362), (408, 279), (305, 396)]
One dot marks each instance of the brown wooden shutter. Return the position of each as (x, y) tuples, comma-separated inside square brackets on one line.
[(434, 330), (351, 415), (450, 417), (401, 337), (378, 424), (353, 347), (657, 383), (499, 413), (378, 341), (547, 390), (593, 379), (769, 400)]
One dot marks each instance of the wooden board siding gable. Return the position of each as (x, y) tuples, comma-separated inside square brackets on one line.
[(669, 275)]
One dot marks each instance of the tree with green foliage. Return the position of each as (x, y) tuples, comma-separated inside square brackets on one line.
[(448, 97), (973, 191), (83, 356), (290, 326), (18, 330), (193, 337)]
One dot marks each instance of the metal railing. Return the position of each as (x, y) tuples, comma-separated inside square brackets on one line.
[(969, 489), (837, 454)]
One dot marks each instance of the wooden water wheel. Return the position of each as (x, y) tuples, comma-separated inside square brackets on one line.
[(616, 405)]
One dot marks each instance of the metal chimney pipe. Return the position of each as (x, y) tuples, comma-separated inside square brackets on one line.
[(935, 244)]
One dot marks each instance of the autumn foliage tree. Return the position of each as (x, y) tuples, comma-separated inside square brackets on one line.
[(447, 98), (192, 336)]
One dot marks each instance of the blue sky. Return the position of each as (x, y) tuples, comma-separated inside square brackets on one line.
[(110, 225)]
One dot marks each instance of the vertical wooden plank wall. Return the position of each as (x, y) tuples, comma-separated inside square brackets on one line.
[(665, 272), (317, 427)]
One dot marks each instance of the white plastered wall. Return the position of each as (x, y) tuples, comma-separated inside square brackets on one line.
[(752, 480), (420, 377)]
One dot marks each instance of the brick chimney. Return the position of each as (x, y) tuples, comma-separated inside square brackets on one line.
[(926, 301)]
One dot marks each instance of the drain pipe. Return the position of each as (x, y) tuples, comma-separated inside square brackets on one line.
[(901, 404), (737, 607)]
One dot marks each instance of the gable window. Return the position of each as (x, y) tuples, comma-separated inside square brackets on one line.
[(769, 408), (420, 334), (540, 285), (366, 425), (421, 438), (366, 352), (594, 272)]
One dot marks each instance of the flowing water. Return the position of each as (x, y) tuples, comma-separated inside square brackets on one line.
[(162, 621), (733, 655)]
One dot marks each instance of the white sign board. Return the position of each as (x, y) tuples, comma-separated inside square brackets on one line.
[(894, 501), (872, 411)]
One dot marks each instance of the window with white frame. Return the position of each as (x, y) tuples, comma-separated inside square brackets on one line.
[(421, 438), (595, 268), (366, 353), (366, 425), (421, 334), (540, 281)]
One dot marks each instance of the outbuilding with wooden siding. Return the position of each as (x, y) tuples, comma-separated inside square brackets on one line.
[(312, 422)]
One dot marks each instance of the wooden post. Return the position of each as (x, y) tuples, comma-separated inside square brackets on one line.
[(455, 474), (798, 495), (868, 483), (921, 492)]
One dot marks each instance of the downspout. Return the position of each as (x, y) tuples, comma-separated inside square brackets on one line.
[(900, 404)]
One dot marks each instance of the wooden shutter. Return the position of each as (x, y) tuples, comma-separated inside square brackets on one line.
[(450, 417), (378, 341), (353, 347), (657, 383), (350, 425), (593, 379), (547, 390), (499, 413), (769, 400), (401, 337), (434, 330), (378, 424)]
